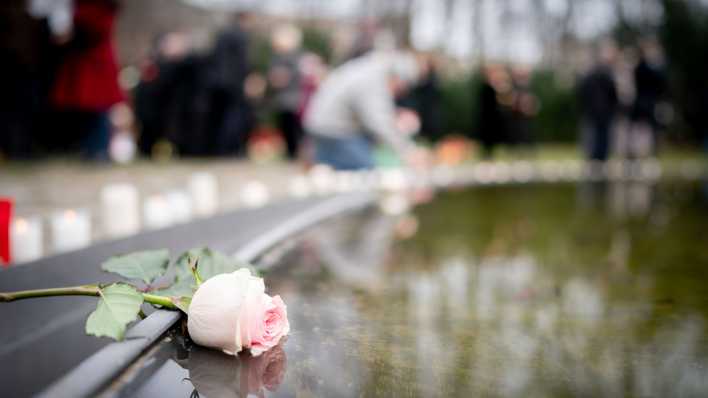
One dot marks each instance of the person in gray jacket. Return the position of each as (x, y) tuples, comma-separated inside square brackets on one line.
[(355, 106)]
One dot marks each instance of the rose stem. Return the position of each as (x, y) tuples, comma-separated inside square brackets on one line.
[(84, 290), (159, 300)]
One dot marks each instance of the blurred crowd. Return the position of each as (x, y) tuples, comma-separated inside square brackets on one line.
[(59, 76), (622, 98), (629, 100), (63, 95)]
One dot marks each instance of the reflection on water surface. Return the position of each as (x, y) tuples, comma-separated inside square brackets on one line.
[(533, 291)]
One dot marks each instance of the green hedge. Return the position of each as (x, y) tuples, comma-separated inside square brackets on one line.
[(557, 120)]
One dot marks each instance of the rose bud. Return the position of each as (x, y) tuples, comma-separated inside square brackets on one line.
[(231, 312)]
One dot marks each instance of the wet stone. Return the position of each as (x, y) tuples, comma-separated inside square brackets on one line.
[(504, 291)]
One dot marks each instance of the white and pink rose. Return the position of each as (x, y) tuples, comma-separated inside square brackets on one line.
[(232, 312)]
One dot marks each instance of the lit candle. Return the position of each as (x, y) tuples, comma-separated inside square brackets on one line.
[(322, 178), (204, 190), (299, 187), (254, 194), (71, 230), (180, 205), (522, 171), (120, 210), (26, 239), (156, 212), (344, 181), (394, 204), (443, 176), (394, 180)]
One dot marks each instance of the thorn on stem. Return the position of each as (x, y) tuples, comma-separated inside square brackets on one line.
[(193, 266)]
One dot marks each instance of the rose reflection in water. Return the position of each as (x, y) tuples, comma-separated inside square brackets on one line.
[(215, 374)]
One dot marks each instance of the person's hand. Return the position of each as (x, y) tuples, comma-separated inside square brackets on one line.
[(407, 121)]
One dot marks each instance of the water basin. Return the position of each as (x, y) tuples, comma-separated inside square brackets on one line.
[(533, 291)]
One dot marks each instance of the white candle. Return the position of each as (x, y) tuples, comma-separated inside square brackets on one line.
[(180, 205), (120, 210), (344, 181), (394, 180), (322, 178), (370, 179), (394, 204), (26, 239), (204, 190), (156, 212), (71, 230), (443, 176), (254, 194), (299, 187)]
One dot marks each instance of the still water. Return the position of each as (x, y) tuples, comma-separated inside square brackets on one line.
[(534, 291)]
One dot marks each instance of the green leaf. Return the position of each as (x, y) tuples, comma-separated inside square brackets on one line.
[(211, 263), (118, 306), (145, 265), (181, 287)]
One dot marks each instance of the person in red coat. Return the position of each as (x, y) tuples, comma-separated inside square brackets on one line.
[(86, 84)]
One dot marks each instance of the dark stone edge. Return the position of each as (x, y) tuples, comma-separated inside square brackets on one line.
[(97, 371)]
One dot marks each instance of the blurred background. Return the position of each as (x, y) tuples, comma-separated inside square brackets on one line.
[(561, 257), (233, 78), (195, 106)]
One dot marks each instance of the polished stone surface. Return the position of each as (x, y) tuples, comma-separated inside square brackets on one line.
[(533, 291), (43, 339)]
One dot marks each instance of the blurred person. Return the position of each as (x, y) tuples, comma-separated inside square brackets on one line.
[(86, 84), (365, 40), (58, 14), (55, 20), (360, 261), (286, 82), (231, 115), (152, 92), (524, 108), (20, 70), (650, 85), (494, 95), (29, 30), (599, 103), (170, 99), (426, 99), (355, 104), (313, 70)]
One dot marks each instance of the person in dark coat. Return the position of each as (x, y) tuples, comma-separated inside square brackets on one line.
[(86, 84), (524, 108), (231, 116), (152, 92), (171, 101), (650, 85), (24, 44), (285, 81), (598, 99), (427, 98), (492, 121)]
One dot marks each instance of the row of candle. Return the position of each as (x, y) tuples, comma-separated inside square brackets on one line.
[(120, 215)]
